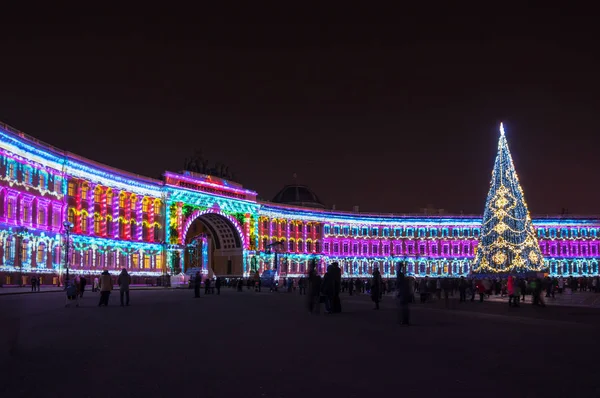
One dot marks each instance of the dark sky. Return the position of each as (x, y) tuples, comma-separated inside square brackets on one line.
[(389, 113)]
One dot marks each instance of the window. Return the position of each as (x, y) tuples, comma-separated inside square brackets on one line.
[(84, 224), (345, 248), (265, 224), (309, 246), (317, 229), (386, 232), (57, 185), (41, 219), (42, 180), (26, 176), (375, 231), (133, 231), (291, 245), (300, 246), (98, 195), (71, 216), (325, 246), (317, 247), (84, 191), (156, 234), (336, 230), (97, 225), (145, 205), (365, 249), (157, 207), (308, 228), (355, 248), (386, 250), (354, 231), (158, 261), (12, 171), (40, 254), (23, 258), (375, 249), (346, 230), (10, 208), (122, 200), (71, 189), (135, 260), (56, 218), (300, 228), (26, 212), (336, 247), (133, 201), (146, 261)]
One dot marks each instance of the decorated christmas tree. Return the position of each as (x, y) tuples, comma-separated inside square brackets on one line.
[(507, 242)]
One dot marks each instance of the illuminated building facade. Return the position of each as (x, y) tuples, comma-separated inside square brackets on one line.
[(188, 220)]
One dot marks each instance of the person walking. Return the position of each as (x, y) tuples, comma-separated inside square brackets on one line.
[(82, 284), (124, 281), (106, 286)]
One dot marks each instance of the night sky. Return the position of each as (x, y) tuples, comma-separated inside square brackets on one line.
[(391, 115)]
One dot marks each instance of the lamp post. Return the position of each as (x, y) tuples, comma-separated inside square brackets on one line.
[(20, 231), (67, 229)]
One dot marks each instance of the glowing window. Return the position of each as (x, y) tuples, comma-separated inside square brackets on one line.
[(84, 192), (41, 220), (40, 254), (146, 261), (135, 259), (42, 179), (71, 189), (84, 224)]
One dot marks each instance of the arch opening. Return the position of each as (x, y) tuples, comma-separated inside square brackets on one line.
[(214, 244)]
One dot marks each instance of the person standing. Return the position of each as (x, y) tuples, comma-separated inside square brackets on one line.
[(95, 285), (124, 281), (106, 286), (82, 283), (33, 283), (376, 288), (218, 286)]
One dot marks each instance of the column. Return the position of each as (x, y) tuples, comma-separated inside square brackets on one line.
[(91, 207), (116, 211)]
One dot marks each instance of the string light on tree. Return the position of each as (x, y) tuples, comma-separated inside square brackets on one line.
[(507, 242)]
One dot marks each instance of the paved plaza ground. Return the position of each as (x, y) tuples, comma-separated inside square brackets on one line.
[(267, 345)]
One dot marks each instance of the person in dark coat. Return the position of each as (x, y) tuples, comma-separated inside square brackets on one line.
[(218, 286), (83, 283), (376, 288), (328, 289), (197, 282), (403, 299), (337, 285), (314, 291)]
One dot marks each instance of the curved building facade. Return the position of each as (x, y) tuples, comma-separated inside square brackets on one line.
[(60, 211)]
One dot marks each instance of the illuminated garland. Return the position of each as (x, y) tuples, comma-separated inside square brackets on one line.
[(508, 241)]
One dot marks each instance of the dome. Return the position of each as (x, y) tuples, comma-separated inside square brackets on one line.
[(298, 195)]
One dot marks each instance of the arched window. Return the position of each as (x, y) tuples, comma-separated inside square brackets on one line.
[(309, 246), (317, 247), (109, 197), (84, 191), (145, 205), (300, 246), (291, 245), (98, 194)]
